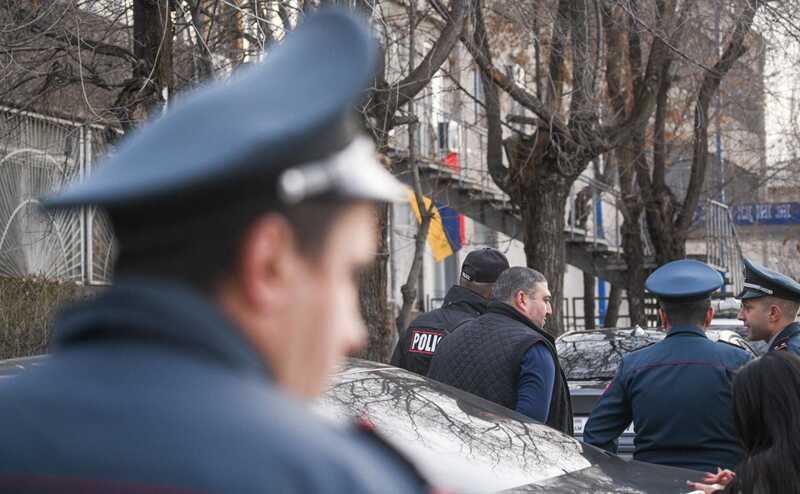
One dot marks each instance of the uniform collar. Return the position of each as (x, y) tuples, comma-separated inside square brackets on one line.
[(460, 295), (686, 329), (164, 313), (789, 331)]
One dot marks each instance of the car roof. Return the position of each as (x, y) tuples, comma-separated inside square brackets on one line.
[(454, 436), (715, 332), (433, 422), (612, 334)]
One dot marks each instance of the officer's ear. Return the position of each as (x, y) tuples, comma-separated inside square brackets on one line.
[(774, 312), (264, 261), (709, 317), (662, 314)]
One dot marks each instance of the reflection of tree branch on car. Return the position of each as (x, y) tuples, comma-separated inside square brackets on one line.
[(483, 432)]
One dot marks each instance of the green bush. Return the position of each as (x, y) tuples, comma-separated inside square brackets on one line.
[(27, 309)]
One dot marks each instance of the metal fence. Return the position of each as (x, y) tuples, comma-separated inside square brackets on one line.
[(575, 319), (722, 245), (39, 155)]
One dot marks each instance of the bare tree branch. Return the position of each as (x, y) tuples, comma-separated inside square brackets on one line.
[(710, 85)]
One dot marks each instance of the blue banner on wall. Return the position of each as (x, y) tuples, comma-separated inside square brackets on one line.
[(777, 213)]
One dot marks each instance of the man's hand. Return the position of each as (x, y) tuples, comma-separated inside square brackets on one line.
[(722, 477), (713, 482)]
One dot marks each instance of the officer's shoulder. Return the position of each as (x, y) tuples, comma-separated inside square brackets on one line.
[(427, 318), (635, 356), (793, 342), (644, 349), (732, 350)]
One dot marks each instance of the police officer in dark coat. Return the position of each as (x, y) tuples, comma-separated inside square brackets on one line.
[(504, 356), (677, 392), (770, 302), (243, 218), (463, 302)]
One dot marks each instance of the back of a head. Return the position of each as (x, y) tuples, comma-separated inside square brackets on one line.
[(684, 289), (516, 279), (767, 418), (692, 312), (480, 270)]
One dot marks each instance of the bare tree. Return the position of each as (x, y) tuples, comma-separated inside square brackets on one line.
[(409, 288), (568, 132), (383, 113), (669, 220)]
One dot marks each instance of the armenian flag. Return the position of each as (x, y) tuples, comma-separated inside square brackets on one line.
[(446, 232)]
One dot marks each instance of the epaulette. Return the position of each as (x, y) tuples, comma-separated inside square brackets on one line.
[(781, 344)]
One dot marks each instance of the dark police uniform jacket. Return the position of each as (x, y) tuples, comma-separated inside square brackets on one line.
[(678, 394), (788, 339), (414, 351), (483, 357), (150, 389)]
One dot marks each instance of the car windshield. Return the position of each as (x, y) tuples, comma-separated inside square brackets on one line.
[(447, 431), (596, 355)]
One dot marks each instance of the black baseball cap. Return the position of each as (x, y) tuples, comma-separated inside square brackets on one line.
[(484, 265)]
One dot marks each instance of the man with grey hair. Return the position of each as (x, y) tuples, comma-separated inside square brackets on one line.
[(505, 356)]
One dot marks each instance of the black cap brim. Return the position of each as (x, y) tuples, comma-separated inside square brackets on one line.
[(749, 293)]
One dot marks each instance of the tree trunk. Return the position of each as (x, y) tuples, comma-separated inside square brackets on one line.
[(543, 209), (635, 275), (612, 310), (373, 291), (631, 157), (588, 300), (152, 45)]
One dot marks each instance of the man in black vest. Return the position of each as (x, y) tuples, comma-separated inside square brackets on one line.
[(463, 302), (505, 356)]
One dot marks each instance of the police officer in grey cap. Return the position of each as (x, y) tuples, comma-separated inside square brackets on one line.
[(243, 217), (770, 302), (676, 392)]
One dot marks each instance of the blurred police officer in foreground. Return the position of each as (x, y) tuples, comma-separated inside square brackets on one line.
[(504, 355), (677, 392), (770, 302), (463, 302), (243, 218)]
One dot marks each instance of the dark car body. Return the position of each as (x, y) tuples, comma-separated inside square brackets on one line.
[(590, 360), (467, 444)]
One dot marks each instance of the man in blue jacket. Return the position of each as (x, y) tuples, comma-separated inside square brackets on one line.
[(504, 355), (676, 392), (243, 217), (770, 301)]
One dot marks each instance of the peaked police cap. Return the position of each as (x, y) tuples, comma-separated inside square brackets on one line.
[(685, 280), (762, 282)]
